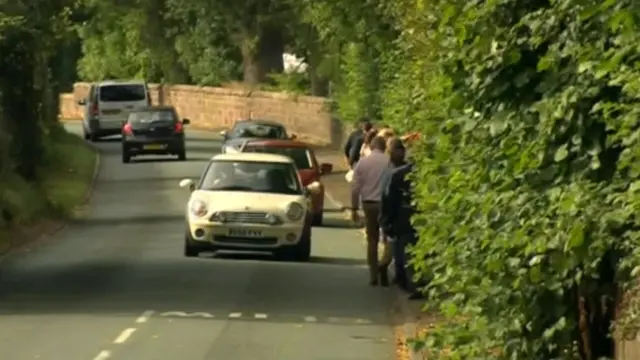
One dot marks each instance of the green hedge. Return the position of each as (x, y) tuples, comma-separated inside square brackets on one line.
[(527, 180)]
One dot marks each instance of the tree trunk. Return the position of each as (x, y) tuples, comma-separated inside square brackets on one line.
[(262, 54), (319, 84)]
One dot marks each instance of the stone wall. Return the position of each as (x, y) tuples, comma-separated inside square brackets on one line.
[(218, 108)]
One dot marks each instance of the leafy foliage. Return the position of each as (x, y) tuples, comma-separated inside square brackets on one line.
[(526, 178), (33, 37)]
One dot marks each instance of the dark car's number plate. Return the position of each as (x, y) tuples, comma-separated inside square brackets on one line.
[(244, 233), (155, 147)]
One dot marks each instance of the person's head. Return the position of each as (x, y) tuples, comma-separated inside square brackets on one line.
[(369, 136), (365, 124), (378, 143), (396, 150), (386, 133)]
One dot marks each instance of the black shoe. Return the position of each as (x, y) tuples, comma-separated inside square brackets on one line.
[(384, 276), (373, 282)]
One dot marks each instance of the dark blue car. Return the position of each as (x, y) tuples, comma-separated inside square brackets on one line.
[(252, 129)]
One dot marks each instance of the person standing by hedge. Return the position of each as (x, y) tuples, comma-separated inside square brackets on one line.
[(396, 210), (354, 142), (367, 181)]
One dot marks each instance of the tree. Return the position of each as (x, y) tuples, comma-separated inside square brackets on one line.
[(255, 27)]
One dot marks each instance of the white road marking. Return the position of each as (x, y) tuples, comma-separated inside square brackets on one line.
[(144, 317), (124, 335), (310, 319), (332, 200), (103, 355), (235, 315), (184, 314), (260, 316), (362, 321)]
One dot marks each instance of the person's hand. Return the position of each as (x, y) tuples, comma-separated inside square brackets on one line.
[(355, 216)]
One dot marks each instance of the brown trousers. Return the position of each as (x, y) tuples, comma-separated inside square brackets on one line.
[(372, 227)]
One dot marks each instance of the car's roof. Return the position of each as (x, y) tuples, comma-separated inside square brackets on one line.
[(121, 82), (258, 122), (278, 143), (253, 157), (154, 108)]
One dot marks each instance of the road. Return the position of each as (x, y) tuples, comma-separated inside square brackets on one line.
[(114, 285)]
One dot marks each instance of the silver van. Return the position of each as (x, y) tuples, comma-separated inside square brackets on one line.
[(108, 105)]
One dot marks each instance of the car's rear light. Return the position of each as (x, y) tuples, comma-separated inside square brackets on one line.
[(127, 129), (94, 109), (179, 128)]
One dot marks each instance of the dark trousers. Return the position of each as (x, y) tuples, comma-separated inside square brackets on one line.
[(404, 272), (371, 211)]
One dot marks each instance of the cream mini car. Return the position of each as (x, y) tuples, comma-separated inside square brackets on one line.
[(252, 202)]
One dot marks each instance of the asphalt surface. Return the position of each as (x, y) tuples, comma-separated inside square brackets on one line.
[(115, 285)]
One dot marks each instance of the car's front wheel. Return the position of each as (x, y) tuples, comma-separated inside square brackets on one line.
[(300, 251), (126, 157), (189, 249), (318, 219)]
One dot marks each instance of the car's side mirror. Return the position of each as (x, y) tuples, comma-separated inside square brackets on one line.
[(188, 183), (314, 188), (293, 136), (82, 102), (186, 121), (326, 168)]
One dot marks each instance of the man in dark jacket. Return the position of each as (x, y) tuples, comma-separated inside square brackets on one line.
[(355, 141), (396, 210)]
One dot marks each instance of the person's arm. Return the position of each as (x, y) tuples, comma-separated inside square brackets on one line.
[(354, 155), (356, 187), (389, 203), (347, 146)]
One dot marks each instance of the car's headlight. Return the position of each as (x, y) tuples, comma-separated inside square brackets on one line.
[(198, 208), (295, 211)]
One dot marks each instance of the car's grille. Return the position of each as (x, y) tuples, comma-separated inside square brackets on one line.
[(248, 217), (267, 241)]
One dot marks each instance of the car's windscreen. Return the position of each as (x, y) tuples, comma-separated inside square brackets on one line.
[(301, 156), (113, 93), (143, 119), (252, 176), (264, 131)]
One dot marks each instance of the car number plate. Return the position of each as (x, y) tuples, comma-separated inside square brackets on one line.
[(244, 233), (111, 112), (154, 147)]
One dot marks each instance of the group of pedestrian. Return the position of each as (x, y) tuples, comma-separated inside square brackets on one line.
[(377, 159)]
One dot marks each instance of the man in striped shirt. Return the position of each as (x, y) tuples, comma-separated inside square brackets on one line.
[(368, 176)]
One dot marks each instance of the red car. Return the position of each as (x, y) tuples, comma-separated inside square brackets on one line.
[(305, 159)]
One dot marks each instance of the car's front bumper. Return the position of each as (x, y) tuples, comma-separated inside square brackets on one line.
[(255, 237)]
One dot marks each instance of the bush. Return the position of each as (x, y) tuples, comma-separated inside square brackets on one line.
[(527, 181)]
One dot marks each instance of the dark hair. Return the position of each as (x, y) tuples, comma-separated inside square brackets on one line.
[(365, 123), (378, 143), (368, 137), (394, 143)]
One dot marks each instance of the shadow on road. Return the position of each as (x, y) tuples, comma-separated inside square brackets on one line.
[(192, 285)]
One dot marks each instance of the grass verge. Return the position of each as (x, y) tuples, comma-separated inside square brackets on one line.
[(37, 209)]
